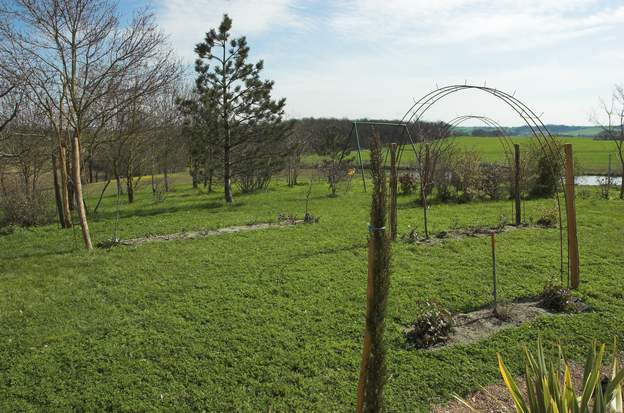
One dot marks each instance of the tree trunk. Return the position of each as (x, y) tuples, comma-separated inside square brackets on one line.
[(71, 189), (57, 192), (90, 163), (64, 187), (166, 176), (227, 168), (82, 212), (210, 176), (130, 188)]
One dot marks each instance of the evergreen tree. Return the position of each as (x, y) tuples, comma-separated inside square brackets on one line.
[(232, 87)]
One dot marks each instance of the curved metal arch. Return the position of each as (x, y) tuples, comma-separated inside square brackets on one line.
[(532, 120), (503, 137), (546, 141)]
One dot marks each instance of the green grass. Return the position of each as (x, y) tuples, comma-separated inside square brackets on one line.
[(592, 156), (242, 322)]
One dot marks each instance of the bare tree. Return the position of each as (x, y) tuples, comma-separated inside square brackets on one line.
[(613, 129), (81, 49)]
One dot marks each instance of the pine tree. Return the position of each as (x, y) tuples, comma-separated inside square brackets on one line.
[(242, 101)]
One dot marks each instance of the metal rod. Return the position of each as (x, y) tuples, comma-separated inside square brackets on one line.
[(357, 138)]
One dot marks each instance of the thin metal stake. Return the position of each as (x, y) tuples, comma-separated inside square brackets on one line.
[(357, 138)]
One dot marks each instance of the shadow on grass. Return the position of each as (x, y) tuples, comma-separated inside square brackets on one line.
[(149, 212), (332, 250)]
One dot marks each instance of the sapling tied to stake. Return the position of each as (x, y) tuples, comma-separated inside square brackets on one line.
[(373, 371)]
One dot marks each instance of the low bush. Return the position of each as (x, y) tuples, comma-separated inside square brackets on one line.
[(433, 326), (559, 299), (407, 183), (548, 218), (19, 209)]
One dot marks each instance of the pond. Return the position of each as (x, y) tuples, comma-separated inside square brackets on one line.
[(594, 180)]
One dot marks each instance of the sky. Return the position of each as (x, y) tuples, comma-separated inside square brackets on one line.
[(373, 58)]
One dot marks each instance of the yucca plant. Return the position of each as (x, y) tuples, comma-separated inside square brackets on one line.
[(550, 389)]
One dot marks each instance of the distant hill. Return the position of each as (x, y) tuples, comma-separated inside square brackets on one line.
[(559, 130)]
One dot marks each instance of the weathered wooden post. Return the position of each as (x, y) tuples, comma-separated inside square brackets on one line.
[(424, 182), (393, 191), (573, 248), (517, 184), (373, 366), (494, 297)]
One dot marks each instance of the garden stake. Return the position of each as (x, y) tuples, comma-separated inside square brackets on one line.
[(423, 188), (517, 184), (493, 237), (573, 248)]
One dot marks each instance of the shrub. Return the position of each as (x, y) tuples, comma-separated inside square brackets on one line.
[(559, 299), (493, 178), (408, 183), (433, 326), (550, 387), (20, 209), (548, 171), (548, 218)]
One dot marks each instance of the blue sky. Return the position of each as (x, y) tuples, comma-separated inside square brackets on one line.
[(372, 58)]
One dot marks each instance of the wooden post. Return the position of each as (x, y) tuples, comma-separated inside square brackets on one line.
[(367, 337), (494, 302), (573, 248), (423, 187), (517, 184), (393, 191)]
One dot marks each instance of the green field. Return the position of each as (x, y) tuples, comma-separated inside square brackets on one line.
[(592, 156), (274, 318)]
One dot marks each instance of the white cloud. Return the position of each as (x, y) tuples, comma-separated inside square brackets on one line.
[(370, 58), (186, 22), (502, 23)]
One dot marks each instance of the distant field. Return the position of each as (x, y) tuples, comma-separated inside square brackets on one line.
[(592, 156)]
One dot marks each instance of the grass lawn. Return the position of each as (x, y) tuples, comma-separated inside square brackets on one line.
[(243, 322), (592, 156)]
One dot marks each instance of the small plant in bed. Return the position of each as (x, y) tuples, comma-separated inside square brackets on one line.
[(548, 218), (433, 326), (559, 299)]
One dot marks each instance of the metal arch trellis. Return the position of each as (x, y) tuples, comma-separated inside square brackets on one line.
[(354, 128), (415, 113), (544, 138), (503, 137)]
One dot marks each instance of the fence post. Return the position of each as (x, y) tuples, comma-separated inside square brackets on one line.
[(393, 191), (424, 183), (494, 295), (517, 184), (573, 248)]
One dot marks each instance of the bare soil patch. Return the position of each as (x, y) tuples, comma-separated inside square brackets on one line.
[(414, 238), (186, 235), (477, 325)]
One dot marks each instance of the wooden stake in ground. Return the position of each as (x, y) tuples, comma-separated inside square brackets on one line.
[(573, 248), (373, 369), (517, 184), (393, 191), (494, 298), (424, 183)]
